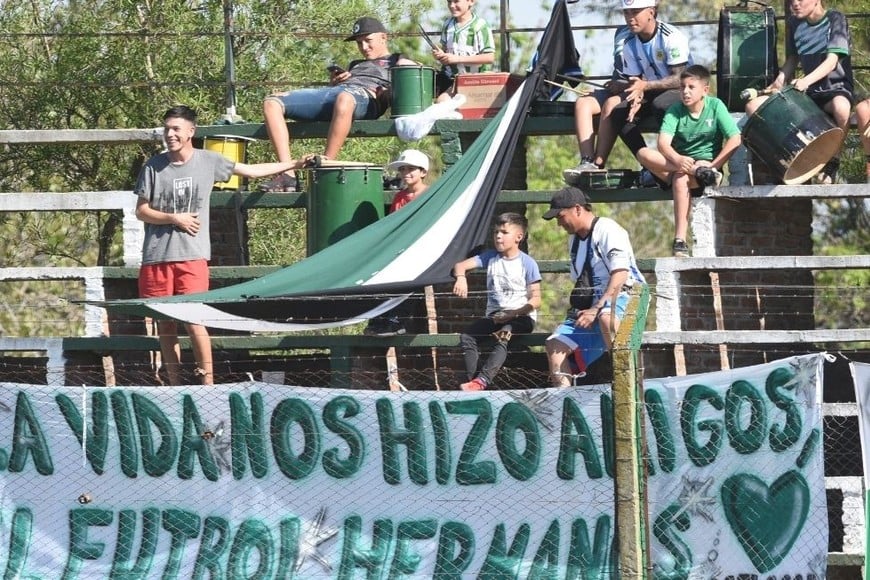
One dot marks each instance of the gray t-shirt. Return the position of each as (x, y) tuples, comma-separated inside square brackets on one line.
[(180, 188)]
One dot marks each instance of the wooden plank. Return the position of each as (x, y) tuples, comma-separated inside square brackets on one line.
[(393, 370), (55, 136), (280, 342), (764, 263), (534, 125), (70, 201), (432, 321), (757, 336), (720, 319), (124, 200), (546, 267), (793, 191)]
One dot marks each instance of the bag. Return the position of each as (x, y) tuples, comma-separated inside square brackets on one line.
[(583, 291)]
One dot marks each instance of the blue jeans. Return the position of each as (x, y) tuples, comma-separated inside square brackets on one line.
[(317, 104)]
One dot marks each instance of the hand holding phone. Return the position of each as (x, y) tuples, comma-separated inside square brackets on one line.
[(335, 69)]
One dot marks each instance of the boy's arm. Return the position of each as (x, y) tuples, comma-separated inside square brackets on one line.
[(727, 127), (672, 81), (824, 69), (450, 58), (460, 287), (786, 72), (728, 148), (264, 169), (534, 297), (670, 154)]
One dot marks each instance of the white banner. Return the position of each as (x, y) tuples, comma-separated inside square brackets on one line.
[(736, 480), (263, 481), (861, 377)]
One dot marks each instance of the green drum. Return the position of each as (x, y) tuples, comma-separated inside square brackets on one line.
[(342, 199), (746, 52), (792, 136), (413, 89)]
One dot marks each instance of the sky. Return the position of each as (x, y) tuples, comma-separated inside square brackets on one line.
[(595, 51), (530, 14)]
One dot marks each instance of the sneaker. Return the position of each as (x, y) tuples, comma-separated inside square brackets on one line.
[(680, 248), (384, 328), (475, 384), (281, 183), (572, 176), (708, 176), (828, 174)]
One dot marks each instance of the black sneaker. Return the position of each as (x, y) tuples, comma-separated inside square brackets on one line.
[(390, 328), (708, 177), (384, 327), (680, 248)]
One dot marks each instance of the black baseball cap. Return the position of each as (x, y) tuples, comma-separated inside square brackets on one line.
[(365, 25), (565, 198)]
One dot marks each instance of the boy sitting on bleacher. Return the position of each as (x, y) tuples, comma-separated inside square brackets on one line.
[(819, 39), (696, 138), (652, 62)]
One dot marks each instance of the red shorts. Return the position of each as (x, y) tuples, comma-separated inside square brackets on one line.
[(172, 278)]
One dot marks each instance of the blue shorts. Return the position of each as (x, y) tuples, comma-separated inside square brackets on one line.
[(602, 95), (587, 344), (317, 104)]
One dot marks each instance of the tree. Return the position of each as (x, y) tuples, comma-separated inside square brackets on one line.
[(91, 64)]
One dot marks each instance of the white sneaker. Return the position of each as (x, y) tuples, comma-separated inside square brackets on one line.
[(573, 175)]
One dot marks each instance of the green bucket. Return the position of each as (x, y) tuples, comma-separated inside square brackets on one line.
[(342, 200), (412, 89)]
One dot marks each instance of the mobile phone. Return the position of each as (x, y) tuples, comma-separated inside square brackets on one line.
[(335, 69)]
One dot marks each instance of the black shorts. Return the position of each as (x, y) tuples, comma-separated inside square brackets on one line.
[(822, 98)]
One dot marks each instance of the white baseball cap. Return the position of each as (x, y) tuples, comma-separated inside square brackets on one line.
[(634, 4), (411, 157)]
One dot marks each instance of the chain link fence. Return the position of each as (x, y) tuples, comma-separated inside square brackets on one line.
[(260, 480)]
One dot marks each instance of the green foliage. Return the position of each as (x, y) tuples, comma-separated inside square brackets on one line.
[(93, 64), (90, 64)]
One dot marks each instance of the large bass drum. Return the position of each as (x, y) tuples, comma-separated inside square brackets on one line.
[(793, 136)]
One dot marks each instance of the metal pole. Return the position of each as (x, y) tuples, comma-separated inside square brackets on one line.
[(229, 64), (505, 37)]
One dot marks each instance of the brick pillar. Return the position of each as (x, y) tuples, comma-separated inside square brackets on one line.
[(752, 299)]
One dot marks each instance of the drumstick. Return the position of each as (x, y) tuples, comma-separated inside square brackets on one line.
[(573, 90), (582, 79), (426, 37), (318, 161), (750, 93)]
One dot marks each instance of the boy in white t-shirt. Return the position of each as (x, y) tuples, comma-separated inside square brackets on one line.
[(513, 285)]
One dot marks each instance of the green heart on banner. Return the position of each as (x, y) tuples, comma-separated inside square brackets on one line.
[(766, 520)]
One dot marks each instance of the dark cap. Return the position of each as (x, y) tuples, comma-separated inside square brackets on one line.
[(565, 198), (365, 25)]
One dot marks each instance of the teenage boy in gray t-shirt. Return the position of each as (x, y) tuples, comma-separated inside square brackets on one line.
[(173, 190)]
